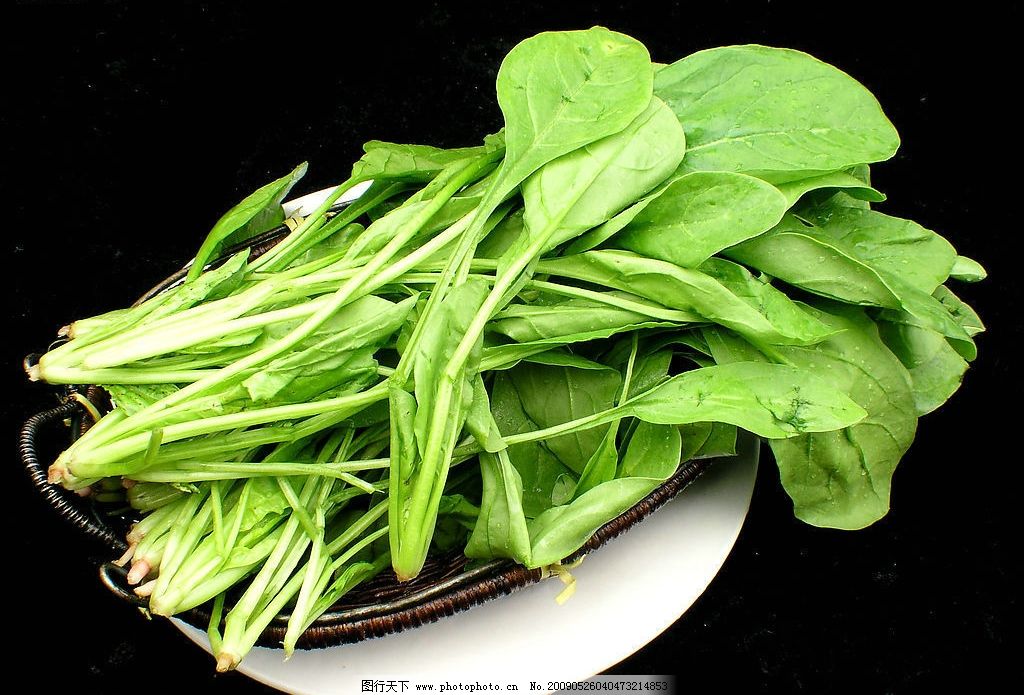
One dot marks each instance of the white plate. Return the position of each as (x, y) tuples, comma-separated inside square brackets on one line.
[(627, 593)]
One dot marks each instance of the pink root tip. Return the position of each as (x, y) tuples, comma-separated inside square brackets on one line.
[(138, 572)]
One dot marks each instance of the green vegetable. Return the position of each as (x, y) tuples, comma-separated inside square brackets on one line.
[(500, 348)]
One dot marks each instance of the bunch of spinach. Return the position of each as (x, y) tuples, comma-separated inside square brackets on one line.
[(502, 347)]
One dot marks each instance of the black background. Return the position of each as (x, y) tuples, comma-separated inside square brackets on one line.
[(127, 134)]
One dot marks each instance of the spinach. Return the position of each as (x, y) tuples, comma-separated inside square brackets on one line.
[(502, 347), (734, 299), (700, 214), (260, 211), (842, 478), (788, 113)]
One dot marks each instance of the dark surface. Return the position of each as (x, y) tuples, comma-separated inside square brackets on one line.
[(127, 135)]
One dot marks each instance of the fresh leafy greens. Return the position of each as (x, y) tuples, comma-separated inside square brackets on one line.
[(498, 349)]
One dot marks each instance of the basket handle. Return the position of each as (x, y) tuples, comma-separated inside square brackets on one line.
[(59, 499), (116, 580)]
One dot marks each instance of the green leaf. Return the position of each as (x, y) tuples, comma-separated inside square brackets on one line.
[(507, 356), (587, 186), (601, 465), (770, 400), (264, 499), (651, 369), (800, 254), (918, 256), (402, 411), (734, 298), (456, 517), (721, 441), (479, 421), (564, 358), (131, 398), (439, 340), (528, 322), (967, 270), (961, 312), (700, 214), (856, 256), (654, 451), (842, 479), (935, 368), (773, 113), (414, 163), (353, 335), (845, 182), (553, 395), (215, 283), (562, 530), (539, 469), (559, 91), (260, 211), (500, 530)]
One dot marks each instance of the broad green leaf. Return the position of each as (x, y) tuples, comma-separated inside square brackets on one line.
[(540, 471), (855, 256), (727, 347), (559, 91), (738, 300), (602, 233), (700, 214), (260, 211), (601, 466), (587, 186), (456, 517), (692, 436), (841, 479), (328, 376), (529, 322), (439, 340), (553, 395), (500, 530), (507, 356), (132, 398), (918, 256), (393, 161), (502, 237), (363, 326), (801, 255), (770, 400), (563, 358), (652, 455), (651, 369), (721, 441), (845, 182), (967, 270), (935, 368), (654, 451), (562, 530), (264, 499), (963, 314), (773, 113)]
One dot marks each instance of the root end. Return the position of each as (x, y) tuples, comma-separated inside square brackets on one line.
[(226, 662)]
